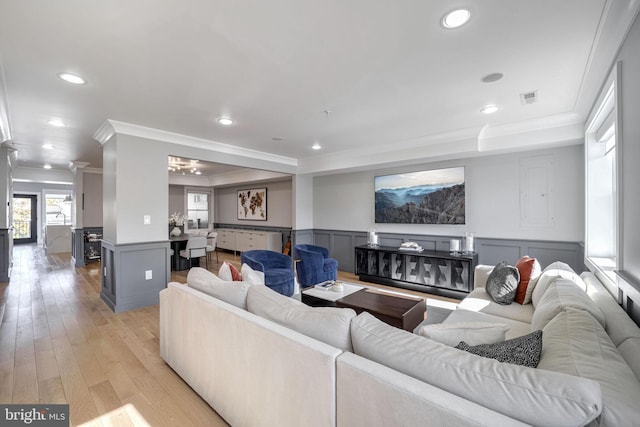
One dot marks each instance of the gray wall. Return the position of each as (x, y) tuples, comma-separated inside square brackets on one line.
[(176, 199), (92, 189), (279, 202), (629, 145), (493, 198)]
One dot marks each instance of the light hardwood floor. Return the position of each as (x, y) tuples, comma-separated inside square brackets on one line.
[(59, 343)]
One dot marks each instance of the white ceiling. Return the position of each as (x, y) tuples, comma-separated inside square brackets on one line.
[(393, 79)]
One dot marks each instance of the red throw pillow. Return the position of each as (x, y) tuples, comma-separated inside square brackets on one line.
[(235, 273), (529, 269)]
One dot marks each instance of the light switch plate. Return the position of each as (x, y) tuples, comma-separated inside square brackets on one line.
[(147, 219), (148, 275)]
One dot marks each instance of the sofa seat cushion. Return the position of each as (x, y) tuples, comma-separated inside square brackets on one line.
[(231, 292), (560, 294), (516, 328), (327, 324), (480, 301), (575, 343), (534, 396)]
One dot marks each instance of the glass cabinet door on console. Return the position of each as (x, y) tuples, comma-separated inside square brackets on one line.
[(428, 271)]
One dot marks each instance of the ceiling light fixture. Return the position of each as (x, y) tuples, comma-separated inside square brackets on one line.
[(456, 18), (316, 146), (225, 121), (47, 146), (72, 78), (57, 123), (47, 166), (489, 109), (493, 77)]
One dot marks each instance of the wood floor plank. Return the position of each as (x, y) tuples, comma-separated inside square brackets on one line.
[(51, 391)]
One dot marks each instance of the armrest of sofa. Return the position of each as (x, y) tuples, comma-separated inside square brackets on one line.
[(481, 275)]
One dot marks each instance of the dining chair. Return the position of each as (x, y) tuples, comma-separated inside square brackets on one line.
[(212, 238), (196, 248)]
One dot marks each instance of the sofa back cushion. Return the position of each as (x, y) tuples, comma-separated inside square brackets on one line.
[(575, 343), (327, 324), (549, 274), (560, 294), (228, 291), (534, 396)]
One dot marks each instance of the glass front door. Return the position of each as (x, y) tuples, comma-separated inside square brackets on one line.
[(25, 218)]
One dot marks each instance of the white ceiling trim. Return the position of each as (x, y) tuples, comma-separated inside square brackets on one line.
[(552, 131), (111, 127)]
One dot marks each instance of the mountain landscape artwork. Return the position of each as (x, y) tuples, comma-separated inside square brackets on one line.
[(426, 197)]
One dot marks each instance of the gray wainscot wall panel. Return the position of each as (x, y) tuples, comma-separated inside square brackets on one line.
[(124, 286), (5, 255), (490, 251)]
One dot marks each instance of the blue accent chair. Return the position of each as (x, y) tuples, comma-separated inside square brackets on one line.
[(277, 269), (314, 266)]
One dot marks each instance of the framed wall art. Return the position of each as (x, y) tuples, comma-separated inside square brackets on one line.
[(252, 204), (426, 197)]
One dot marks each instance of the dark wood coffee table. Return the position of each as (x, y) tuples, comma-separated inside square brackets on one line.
[(401, 312)]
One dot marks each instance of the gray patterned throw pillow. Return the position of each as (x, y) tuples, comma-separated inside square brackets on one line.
[(502, 283), (524, 350)]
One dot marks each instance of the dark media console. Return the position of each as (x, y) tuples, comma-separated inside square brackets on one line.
[(434, 272)]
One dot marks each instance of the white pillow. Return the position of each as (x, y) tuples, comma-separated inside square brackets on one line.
[(231, 292), (225, 272), (473, 333), (251, 276)]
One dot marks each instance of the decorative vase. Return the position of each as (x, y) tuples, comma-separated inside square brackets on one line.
[(176, 231)]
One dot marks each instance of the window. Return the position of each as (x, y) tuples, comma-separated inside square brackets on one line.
[(58, 208), (602, 238), (197, 210)]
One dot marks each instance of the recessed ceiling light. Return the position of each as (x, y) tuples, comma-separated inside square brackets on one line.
[(47, 146), (489, 109), (225, 121), (47, 166), (72, 78), (490, 78), (57, 123), (316, 146), (198, 173), (456, 18)]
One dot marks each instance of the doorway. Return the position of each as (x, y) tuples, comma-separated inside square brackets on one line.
[(25, 218)]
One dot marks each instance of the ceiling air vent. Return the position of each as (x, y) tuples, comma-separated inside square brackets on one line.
[(529, 97)]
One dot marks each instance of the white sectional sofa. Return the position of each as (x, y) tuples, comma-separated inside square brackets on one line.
[(282, 363)]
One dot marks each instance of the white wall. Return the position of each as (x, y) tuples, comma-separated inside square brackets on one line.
[(629, 146), (279, 202), (346, 201)]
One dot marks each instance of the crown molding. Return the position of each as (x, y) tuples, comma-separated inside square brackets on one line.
[(112, 127), (74, 166)]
